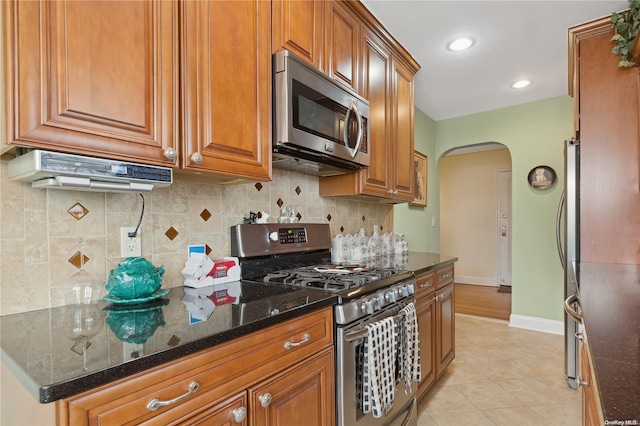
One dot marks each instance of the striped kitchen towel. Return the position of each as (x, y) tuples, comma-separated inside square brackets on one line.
[(409, 348), (378, 387)]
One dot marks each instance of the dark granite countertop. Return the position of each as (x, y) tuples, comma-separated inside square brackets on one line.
[(36, 348), (134, 338), (610, 300), (420, 262)]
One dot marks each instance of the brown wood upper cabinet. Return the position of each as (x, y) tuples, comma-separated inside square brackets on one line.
[(226, 72), (96, 78), (109, 79), (386, 81), (297, 27)]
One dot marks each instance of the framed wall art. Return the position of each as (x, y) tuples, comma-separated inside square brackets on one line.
[(419, 180), (541, 177)]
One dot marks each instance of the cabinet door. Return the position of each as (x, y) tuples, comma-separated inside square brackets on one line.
[(376, 83), (93, 77), (297, 27), (342, 43), (426, 311), (232, 411), (445, 332), (402, 161), (226, 71), (303, 395)]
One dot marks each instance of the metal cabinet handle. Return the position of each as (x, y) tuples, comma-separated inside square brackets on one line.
[(239, 414), (156, 403), (569, 310), (427, 284), (196, 157), (170, 153), (265, 399), (288, 345)]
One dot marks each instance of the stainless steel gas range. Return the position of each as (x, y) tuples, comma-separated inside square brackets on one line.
[(298, 255)]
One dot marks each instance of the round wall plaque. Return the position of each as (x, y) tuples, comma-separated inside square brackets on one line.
[(542, 177)]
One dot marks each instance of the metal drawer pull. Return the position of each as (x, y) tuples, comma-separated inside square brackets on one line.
[(239, 414), (156, 403), (288, 345), (427, 284)]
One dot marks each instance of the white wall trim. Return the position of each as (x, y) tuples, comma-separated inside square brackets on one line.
[(537, 324), (462, 279)]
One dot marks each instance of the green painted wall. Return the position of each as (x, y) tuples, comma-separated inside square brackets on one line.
[(534, 134), (415, 222)]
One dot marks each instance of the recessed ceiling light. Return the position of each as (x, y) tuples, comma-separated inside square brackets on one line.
[(520, 84), (459, 44)]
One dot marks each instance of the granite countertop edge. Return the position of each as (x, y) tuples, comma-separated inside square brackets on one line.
[(94, 379)]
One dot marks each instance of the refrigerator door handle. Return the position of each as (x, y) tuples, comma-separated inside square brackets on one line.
[(559, 230), (577, 317)]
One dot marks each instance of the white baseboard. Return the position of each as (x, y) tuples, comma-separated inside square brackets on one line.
[(537, 324), (462, 279)]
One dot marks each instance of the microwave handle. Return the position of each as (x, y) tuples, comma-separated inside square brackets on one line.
[(353, 108)]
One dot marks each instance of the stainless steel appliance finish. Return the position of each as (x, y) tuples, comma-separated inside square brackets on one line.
[(570, 255), (56, 170), (298, 255), (320, 126)]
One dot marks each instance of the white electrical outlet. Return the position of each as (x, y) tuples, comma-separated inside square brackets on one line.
[(130, 246)]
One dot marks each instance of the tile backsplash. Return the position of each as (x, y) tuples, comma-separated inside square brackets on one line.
[(41, 230)]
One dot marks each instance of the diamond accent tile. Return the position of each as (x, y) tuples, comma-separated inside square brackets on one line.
[(279, 202), (298, 190), (258, 186), (329, 217), (342, 229), (173, 341), (299, 216), (205, 215), (77, 346), (78, 211), (78, 259), (171, 233), (363, 218), (207, 249)]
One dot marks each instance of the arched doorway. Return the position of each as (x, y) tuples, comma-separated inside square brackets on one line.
[(475, 217)]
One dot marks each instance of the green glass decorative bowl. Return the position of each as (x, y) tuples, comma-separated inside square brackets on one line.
[(134, 278)]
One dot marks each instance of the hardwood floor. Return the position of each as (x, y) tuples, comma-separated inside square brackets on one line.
[(483, 301)]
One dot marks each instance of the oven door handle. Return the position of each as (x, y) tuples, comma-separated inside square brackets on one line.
[(355, 335), (410, 413)]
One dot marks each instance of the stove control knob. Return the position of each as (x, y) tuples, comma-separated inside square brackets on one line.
[(376, 303), (367, 307), (411, 289), (273, 236), (390, 296), (404, 291)]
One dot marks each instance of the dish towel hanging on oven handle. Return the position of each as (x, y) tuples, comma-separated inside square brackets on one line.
[(378, 385), (409, 347)]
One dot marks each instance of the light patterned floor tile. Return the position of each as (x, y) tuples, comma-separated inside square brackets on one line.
[(521, 416), (503, 376)]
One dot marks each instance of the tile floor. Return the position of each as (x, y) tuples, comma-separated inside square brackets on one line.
[(502, 375)]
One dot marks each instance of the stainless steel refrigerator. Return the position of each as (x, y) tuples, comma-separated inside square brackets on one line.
[(568, 226)]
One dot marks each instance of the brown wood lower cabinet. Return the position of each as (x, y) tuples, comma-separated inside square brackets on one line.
[(436, 324), (253, 380), (591, 410)]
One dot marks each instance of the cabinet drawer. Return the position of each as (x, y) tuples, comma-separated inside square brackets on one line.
[(425, 283), (444, 276), (220, 371)]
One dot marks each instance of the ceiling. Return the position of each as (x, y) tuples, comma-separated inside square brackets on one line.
[(514, 40)]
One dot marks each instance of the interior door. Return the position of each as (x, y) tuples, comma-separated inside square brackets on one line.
[(504, 227)]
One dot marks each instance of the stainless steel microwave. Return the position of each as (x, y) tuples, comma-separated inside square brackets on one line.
[(320, 126)]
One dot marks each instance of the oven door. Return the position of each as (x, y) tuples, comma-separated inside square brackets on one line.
[(316, 114), (348, 406)]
